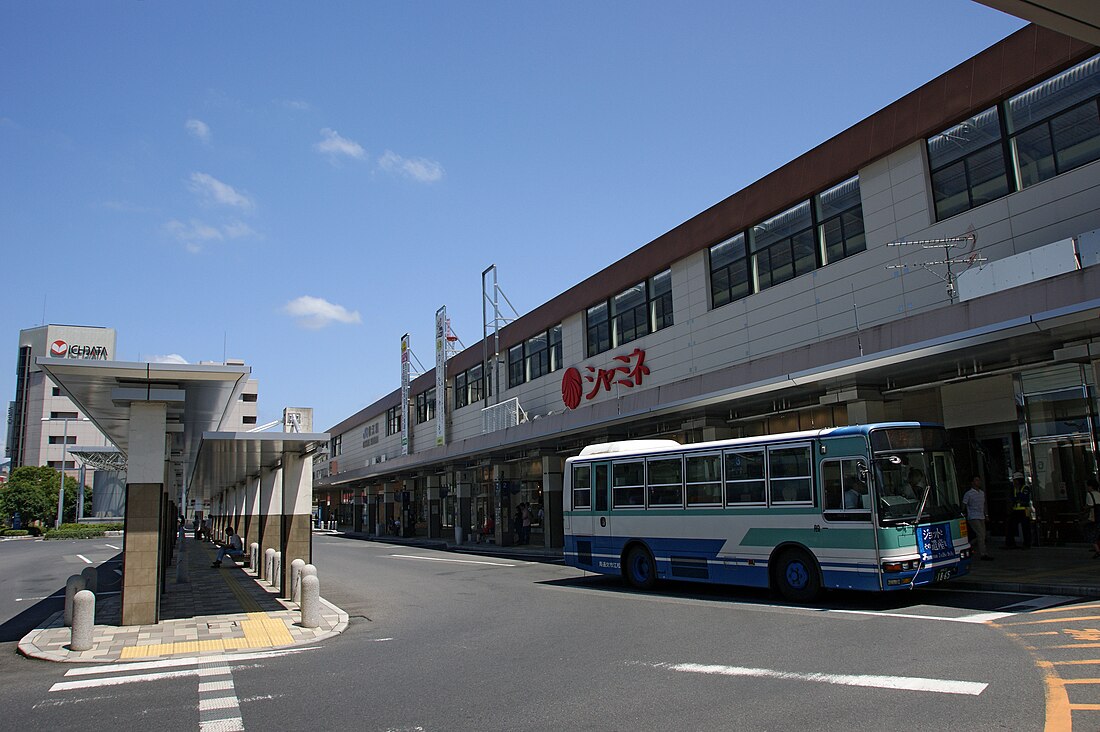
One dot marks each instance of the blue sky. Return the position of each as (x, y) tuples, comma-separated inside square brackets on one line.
[(305, 182)]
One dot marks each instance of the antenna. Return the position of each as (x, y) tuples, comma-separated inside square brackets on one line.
[(967, 242)]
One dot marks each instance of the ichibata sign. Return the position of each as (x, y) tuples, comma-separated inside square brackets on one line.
[(628, 374), (61, 349)]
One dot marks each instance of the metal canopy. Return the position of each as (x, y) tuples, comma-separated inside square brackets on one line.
[(227, 459), (99, 458), (199, 398)]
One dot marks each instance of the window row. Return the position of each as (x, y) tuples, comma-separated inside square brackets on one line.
[(537, 356), (425, 406), (806, 236), (749, 477), (1049, 129), (393, 420), (637, 311), (472, 385)]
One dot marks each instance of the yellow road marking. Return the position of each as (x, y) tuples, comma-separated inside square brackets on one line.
[(1059, 715), (1081, 681), (1052, 620), (1085, 707), (1064, 608), (1085, 662)]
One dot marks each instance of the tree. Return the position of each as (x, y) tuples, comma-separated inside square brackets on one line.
[(32, 492)]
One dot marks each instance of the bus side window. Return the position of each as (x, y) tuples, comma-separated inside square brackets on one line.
[(834, 493)]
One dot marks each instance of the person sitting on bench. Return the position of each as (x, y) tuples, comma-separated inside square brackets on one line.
[(233, 547)]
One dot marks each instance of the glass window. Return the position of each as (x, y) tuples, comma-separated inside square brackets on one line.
[(660, 300), (475, 382), (393, 420), (783, 246), (462, 394), (967, 164), (745, 477), (845, 496), (599, 329), (554, 336), (704, 480), (629, 315), (515, 365), (538, 356), (666, 481), (729, 271), (1062, 412), (840, 213), (425, 405), (789, 474), (582, 486), (628, 484)]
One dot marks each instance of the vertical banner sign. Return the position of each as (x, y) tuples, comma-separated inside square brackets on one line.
[(405, 394), (441, 376)]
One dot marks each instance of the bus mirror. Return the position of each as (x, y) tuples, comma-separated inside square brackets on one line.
[(861, 471)]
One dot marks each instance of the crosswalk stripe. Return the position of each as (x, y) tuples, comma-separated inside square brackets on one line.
[(119, 680)]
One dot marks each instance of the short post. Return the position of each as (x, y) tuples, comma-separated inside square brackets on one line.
[(91, 579), (83, 621), (296, 579), (311, 601), (254, 558), (277, 570), (269, 560), (73, 585)]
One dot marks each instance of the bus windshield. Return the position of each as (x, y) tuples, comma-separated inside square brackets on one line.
[(903, 474)]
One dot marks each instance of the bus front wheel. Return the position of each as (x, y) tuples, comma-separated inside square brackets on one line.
[(796, 576), (639, 568)]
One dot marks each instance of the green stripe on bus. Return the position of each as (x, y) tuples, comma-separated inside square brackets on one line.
[(833, 538)]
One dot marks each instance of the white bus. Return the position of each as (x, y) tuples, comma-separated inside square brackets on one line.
[(868, 507)]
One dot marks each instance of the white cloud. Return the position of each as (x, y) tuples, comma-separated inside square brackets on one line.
[(315, 312), (198, 128), (296, 104), (195, 233), (170, 358), (421, 170), (213, 190), (334, 146)]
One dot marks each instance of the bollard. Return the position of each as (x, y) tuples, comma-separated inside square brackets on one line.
[(91, 579), (254, 558), (83, 621), (296, 580), (311, 601), (72, 586), (277, 571), (269, 560)]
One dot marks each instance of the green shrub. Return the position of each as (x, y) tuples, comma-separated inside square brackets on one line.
[(15, 532), (75, 531)]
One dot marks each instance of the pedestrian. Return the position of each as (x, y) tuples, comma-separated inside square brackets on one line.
[(1092, 520), (525, 524), (1020, 511), (517, 524), (208, 529), (976, 516), (232, 547)]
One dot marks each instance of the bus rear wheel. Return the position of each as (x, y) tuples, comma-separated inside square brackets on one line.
[(639, 569), (796, 576)]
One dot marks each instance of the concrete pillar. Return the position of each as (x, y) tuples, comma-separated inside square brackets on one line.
[(553, 531), (270, 520), (435, 507), (251, 528), (503, 509), (464, 492), (357, 510), (83, 621), (144, 510), (389, 490), (297, 494), (311, 601), (73, 585)]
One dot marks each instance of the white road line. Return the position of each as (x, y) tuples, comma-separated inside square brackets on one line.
[(112, 546), (229, 658), (86, 560), (905, 683), (977, 618), (454, 561), (119, 680)]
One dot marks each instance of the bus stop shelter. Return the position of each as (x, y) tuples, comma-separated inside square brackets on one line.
[(166, 420)]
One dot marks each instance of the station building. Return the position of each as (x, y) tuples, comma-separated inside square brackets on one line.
[(935, 262)]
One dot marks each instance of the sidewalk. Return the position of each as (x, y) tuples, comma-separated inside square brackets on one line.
[(218, 611), (1043, 570)]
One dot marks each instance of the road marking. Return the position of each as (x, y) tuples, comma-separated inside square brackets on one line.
[(230, 658), (904, 683), (219, 709), (86, 560), (977, 618), (1055, 620), (119, 680), (453, 561), (61, 594), (112, 546), (1059, 712)]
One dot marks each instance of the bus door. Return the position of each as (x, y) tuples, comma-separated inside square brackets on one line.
[(601, 500), (847, 542)]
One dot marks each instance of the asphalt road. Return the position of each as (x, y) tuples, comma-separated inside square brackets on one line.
[(444, 641)]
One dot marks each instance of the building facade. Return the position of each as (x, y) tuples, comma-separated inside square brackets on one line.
[(933, 262)]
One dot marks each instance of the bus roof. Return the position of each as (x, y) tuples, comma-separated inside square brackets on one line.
[(641, 447)]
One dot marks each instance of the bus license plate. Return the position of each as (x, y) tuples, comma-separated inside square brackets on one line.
[(945, 574)]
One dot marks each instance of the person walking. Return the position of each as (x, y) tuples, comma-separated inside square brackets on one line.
[(232, 547), (526, 523), (1020, 511), (976, 516)]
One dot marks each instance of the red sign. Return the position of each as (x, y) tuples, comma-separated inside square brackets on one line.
[(629, 374), (59, 348)]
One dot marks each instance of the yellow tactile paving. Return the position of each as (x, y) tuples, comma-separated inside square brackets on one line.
[(260, 631)]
